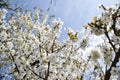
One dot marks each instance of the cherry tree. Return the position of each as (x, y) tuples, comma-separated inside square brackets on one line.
[(31, 44), (107, 25)]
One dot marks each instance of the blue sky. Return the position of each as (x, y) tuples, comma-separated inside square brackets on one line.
[(74, 13)]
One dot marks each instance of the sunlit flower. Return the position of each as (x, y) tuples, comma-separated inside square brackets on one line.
[(116, 39), (10, 45), (95, 55), (3, 13), (84, 42)]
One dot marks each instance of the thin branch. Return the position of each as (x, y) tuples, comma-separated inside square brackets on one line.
[(14, 63), (114, 17), (52, 47), (115, 61), (35, 62), (44, 48), (4, 5), (24, 76), (60, 48), (77, 48), (2, 76), (107, 35), (29, 55), (35, 73), (47, 73), (39, 36), (103, 7)]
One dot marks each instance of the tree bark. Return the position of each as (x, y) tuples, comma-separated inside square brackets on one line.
[(116, 59)]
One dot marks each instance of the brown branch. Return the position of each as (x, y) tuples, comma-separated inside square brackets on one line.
[(117, 54), (35, 73), (47, 73), (77, 48), (14, 63), (53, 44), (107, 73), (103, 7), (44, 48), (115, 61), (3, 76), (35, 62), (24, 76), (60, 48), (107, 35), (39, 36), (114, 18), (4, 5)]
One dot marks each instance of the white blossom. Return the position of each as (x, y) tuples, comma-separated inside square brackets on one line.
[(3, 13), (107, 54), (95, 55), (116, 39), (84, 42), (10, 45)]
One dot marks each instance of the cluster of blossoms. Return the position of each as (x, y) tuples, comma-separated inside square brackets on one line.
[(95, 54), (107, 25), (107, 54), (34, 49), (116, 39), (115, 73), (106, 20), (84, 43)]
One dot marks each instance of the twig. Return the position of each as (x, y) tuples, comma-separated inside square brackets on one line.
[(44, 48), (114, 17), (103, 7), (35, 73), (52, 47), (2, 76), (4, 5), (14, 63), (47, 73), (60, 48), (107, 35)]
